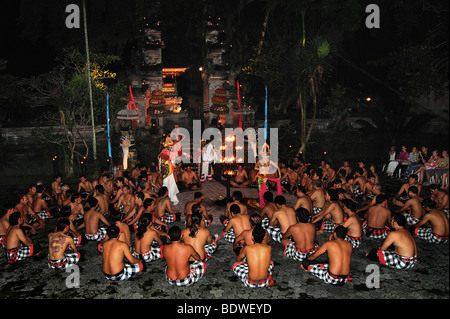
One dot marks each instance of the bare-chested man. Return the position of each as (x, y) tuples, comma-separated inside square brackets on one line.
[(190, 179), (92, 220), (353, 223), (77, 210), (360, 180), (40, 206), (126, 202), (246, 238), (306, 181), (339, 251), (78, 239), (179, 272), (154, 179), (198, 200), (412, 209), (377, 217), (317, 196), (17, 245), (402, 195), (331, 216), (440, 198), (4, 222), (329, 174), (63, 198), (56, 187), (268, 210), (132, 218), (281, 219), (163, 207), (237, 198), (256, 271), (303, 200), (241, 179), (438, 232), (103, 202), (237, 223), (114, 252), (349, 186), (117, 190), (58, 242), (107, 183), (31, 220), (369, 188), (404, 255), (144, 238), (289, 180), (200, 238), (346, 167), (31, 194), (85, 186), (303, 234)]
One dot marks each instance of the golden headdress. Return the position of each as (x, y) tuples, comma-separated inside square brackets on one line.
[(168, 142), (265, 149)]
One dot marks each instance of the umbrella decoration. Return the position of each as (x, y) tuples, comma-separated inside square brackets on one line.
[(157, 104), (220, 101), (127, 114)]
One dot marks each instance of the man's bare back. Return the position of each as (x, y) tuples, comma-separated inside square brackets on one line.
[(377, 216), (303, 235)]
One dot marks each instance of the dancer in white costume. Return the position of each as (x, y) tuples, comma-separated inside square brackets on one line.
[(166, 159), (125, 142), (209, 156)]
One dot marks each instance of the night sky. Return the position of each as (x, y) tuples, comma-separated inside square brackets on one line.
[(33, 32)]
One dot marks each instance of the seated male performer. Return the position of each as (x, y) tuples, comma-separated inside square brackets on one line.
[(58, 242), (163, 207), (281, 219), (256, 271), (303, 234), (337, 271), (438, 232), (114, 252), (200, 238), (144, 238), (404, 255), (17, 245), (237, 223), (377, 216), (179, 272)]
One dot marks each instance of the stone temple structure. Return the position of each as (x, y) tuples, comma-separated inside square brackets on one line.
[(152, 77)]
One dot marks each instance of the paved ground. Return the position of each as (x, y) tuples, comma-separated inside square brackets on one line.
[(31, 279)]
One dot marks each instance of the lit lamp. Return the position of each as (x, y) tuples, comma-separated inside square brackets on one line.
[(83, 166), (55, 165), (229, 162)]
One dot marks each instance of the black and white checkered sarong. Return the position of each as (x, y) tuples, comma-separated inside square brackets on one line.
[(321, 271), (154, 253), (275, 233), (128, 271), (394, 260), (241, 269), (64, 263), (426, 233), (197, 270), (298, 254)]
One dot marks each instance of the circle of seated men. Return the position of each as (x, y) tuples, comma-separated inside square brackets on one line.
[(349, 207)]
